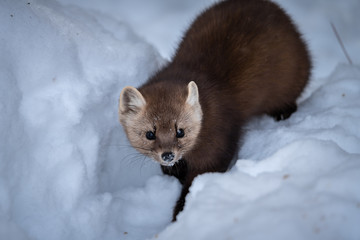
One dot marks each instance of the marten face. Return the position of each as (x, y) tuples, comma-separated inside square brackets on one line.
[(162, 126)]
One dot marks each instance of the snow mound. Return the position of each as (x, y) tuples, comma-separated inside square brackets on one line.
[(61, 154), (304, 187)]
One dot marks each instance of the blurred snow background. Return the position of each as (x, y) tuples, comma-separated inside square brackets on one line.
[(68, 172)]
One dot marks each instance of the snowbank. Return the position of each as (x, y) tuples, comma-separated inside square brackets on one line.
[(61, 147)]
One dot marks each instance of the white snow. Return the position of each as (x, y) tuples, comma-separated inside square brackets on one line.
[(68, 172)]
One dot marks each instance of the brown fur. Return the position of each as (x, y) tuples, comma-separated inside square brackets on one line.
[(246, 58)]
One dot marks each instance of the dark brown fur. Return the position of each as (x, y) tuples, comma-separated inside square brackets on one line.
[(247, 58)]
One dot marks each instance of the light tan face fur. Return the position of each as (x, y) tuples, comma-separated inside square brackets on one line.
[(138, 118)]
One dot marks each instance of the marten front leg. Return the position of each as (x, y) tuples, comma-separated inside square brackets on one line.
[(284, 113), (185, 190), (179, 170)]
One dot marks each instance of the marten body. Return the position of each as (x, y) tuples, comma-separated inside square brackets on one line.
[(238, 59)]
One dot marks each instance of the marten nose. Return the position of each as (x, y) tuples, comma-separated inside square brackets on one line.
[(167, 156)]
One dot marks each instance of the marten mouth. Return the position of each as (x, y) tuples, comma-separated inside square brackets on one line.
[(171, 164), (168, 164)]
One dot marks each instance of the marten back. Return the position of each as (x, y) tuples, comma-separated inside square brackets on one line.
[(249, 51), (240, 58)]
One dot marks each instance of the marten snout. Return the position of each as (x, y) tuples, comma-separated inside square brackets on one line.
[(167, 156)]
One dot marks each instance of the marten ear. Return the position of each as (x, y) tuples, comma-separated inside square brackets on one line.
[(193, 100), (193, 94), (130, 100)]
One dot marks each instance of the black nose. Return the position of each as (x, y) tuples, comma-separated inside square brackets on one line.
[(167, 156)]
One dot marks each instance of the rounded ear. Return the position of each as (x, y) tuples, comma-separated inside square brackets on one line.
[(130, 100), (193, 94)]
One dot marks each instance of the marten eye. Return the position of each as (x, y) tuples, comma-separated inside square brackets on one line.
[(150, 135), (180, 133)]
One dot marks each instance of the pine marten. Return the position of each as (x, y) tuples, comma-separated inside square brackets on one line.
[(238, 59)]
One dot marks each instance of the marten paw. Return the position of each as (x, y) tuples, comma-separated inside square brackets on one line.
[(178, 208), (284, 113)]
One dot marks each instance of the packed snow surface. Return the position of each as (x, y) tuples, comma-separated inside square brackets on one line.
[(67, 170)]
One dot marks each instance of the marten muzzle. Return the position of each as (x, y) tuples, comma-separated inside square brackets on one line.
[(167, 156)]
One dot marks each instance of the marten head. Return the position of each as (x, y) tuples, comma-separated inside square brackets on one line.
[(163, 121)]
